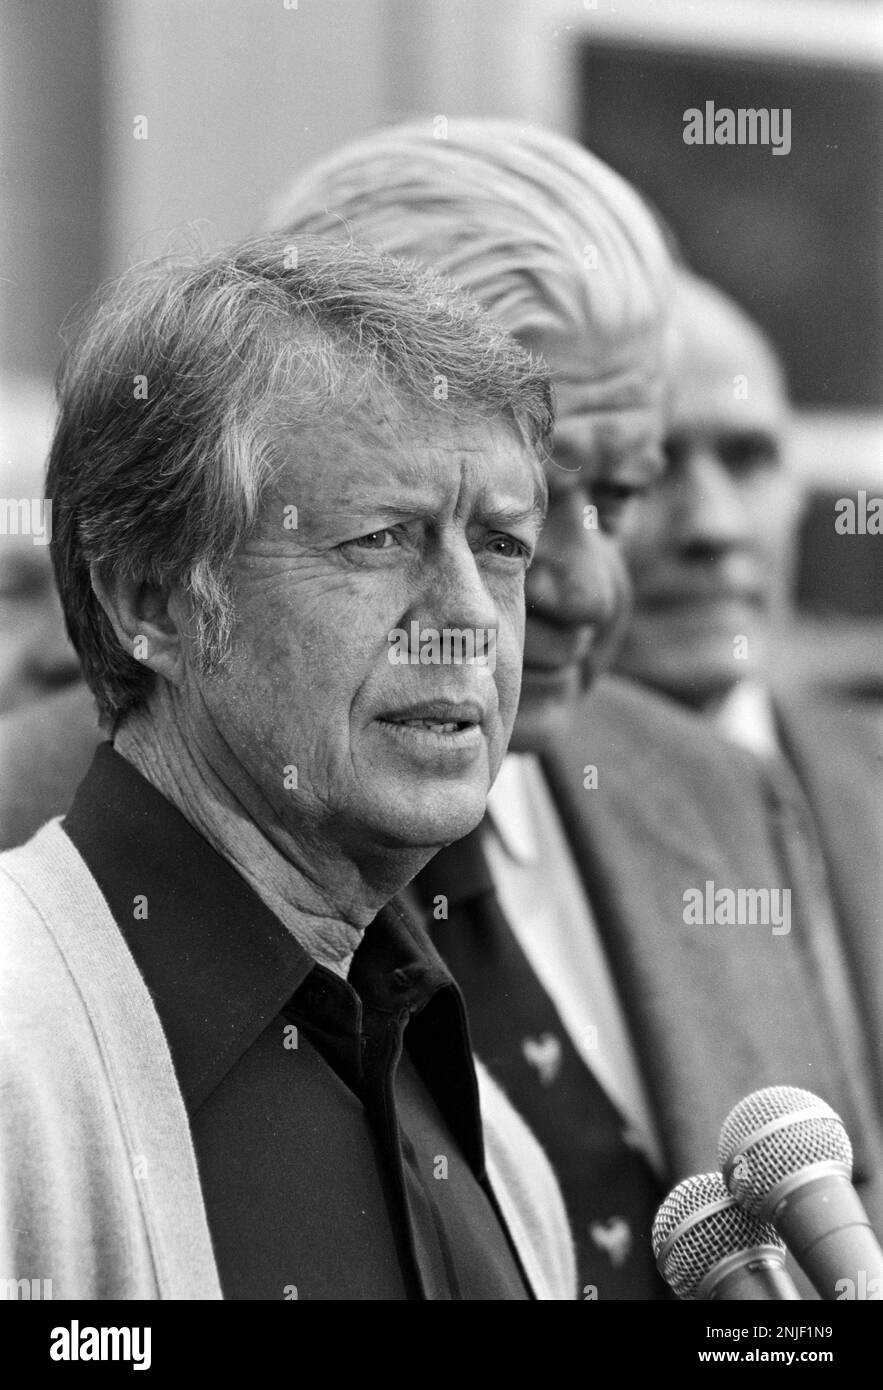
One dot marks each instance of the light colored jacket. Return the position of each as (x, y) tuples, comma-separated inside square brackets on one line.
[(99, 1188)]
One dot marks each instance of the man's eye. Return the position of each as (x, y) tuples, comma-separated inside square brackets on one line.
[(375, 540), (748, 454), (509, 547)]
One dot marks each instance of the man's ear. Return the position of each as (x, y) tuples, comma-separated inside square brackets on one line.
[(148, 620)]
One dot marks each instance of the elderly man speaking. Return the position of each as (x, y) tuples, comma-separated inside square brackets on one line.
[(230, 1069)]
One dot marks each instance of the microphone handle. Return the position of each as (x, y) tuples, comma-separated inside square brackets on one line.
[(827, 1230), (757, 1275)]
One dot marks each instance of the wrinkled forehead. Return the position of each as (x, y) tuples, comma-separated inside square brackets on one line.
[(387, 448)]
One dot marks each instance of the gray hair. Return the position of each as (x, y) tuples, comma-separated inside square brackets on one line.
[(542, 232), (173, 394)]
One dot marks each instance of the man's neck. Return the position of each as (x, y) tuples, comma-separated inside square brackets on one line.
[(290, 873)]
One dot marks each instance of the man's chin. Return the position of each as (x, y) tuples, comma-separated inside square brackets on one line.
[(428, 821)]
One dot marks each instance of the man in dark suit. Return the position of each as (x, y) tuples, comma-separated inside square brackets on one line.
[(710, 549)]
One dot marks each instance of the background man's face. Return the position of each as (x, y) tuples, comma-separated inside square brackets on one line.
[(606, 452), (710, 547), (398, 522)]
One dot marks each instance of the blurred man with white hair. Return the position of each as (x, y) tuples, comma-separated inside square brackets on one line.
[(621, 1031)]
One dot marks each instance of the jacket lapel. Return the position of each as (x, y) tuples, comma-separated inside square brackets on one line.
[(839, 761), (716, 1010)]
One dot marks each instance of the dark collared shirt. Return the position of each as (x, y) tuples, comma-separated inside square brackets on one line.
[(335, 1123)]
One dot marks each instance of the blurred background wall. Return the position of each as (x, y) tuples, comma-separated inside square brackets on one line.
[(122, 120)]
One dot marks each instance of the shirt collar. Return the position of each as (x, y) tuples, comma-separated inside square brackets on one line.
[(509, 807), (219, 964), (747, 718)]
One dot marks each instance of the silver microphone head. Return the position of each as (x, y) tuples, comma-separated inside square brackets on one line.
[(700, 1224), (775, 1134)]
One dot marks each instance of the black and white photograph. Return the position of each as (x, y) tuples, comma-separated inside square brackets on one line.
[(441, 671)]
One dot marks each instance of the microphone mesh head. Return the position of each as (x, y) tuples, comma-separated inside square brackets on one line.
[(706, 1240), (754, 1167)]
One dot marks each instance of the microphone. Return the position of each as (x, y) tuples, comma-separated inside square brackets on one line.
[(786, 1158), (707, 1248)]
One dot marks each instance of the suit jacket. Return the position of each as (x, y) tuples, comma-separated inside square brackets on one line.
[(715, 1011), (837, 754)]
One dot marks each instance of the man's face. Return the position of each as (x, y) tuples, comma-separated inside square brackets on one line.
[(606, 452), (710, 547), (400, 522)]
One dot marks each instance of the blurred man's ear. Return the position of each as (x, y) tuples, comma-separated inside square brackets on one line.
[(149, 620)]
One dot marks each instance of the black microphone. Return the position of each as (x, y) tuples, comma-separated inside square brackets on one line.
[(786, 1158), (708, 1248)]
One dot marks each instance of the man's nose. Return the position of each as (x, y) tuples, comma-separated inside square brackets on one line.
[(710, 518), (575, 579), (454, 592)]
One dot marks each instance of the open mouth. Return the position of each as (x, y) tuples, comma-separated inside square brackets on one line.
[(436, 726), (433, 728), (439, 716)]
